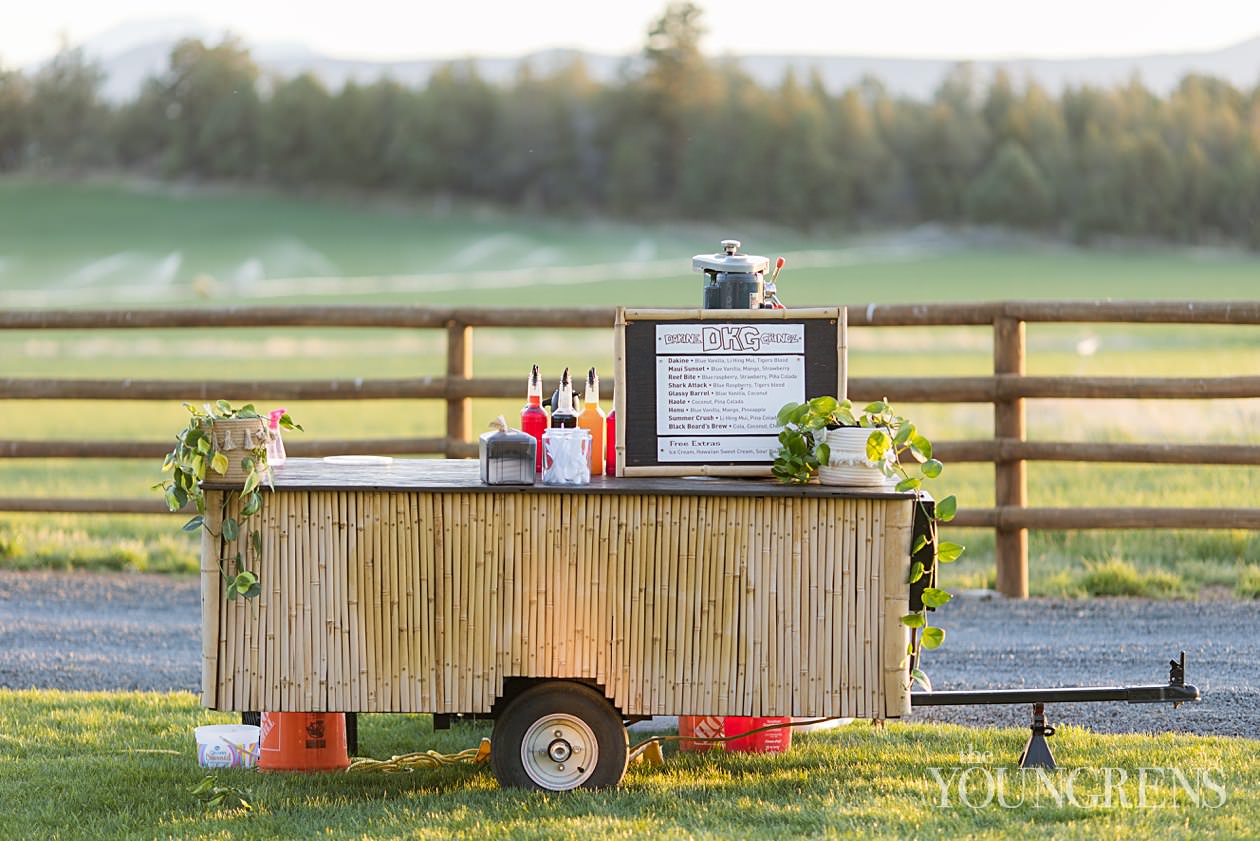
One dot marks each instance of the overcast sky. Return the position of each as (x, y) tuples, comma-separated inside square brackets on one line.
[(29, 31)]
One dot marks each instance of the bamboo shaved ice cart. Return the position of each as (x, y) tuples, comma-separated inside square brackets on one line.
[(563, 612)]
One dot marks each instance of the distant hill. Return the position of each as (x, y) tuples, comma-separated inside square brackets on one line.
[(133, 51)]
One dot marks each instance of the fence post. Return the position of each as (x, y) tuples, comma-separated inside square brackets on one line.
[(1010, 475), (459, 365)]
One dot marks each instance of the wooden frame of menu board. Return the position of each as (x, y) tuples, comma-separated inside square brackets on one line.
[(697, 391)]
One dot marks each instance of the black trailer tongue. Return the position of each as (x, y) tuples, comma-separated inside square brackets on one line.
[(1037, 752)]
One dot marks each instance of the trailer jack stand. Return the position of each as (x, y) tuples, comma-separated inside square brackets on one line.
[(1037, 752)]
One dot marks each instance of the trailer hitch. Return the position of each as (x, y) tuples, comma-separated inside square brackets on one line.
[(1037, 752)]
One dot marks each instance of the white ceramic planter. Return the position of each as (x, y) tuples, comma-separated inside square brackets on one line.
[(849, 465)]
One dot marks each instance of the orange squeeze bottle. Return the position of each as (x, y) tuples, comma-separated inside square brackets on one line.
[(592, 419)]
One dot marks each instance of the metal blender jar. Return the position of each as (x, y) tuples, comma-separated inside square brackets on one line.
[(732, 281)]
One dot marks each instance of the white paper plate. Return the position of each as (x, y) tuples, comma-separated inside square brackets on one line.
[(358, 459)]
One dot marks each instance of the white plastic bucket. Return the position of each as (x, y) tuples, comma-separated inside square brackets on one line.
[(227, 746)]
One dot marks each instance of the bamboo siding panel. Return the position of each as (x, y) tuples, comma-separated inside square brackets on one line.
[(427, 601)]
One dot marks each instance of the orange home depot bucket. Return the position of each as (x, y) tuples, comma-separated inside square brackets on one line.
[(302, 742), (778, 740), (703, 726)]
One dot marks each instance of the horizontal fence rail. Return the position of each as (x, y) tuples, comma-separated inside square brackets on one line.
[(992, 389), (951, 451), (868, 315), (1006, 389)]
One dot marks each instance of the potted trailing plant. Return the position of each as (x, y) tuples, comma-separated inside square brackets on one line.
[(232, 443), (802, 449), (895, 447)]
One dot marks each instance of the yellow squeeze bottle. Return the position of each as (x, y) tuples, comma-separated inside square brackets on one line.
[(592, 420)]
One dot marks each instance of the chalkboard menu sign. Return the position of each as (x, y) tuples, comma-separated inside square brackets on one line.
[(697, 391)]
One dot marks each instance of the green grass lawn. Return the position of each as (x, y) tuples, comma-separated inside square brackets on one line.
[(106, 244), (121, 765)]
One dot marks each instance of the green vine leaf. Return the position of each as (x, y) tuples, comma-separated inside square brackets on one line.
[(210, 792), (932, 468), (909, 484), (946, 509), (920, 448), (253, 502), (903, 435), (916, 572), (876, 445), (933, 637), (172, 501), (913, 620), (932, 597), (920, 677), (231, 529), (949, 552), (785, 414), (219, 463), (194, 524)]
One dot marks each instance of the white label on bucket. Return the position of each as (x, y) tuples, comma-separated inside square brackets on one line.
[(216, 755)]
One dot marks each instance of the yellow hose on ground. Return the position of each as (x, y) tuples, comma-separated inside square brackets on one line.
[(408, 762)]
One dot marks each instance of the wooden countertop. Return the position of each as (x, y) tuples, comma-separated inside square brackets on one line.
[(463, 475)]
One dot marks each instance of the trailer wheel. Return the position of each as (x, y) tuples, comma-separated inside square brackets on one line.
[(559, 736)]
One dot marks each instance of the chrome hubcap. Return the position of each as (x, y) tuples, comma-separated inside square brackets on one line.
[(559, 752)]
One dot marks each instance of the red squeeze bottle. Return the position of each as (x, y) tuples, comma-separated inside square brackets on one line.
[(534, 416), (610, 444)]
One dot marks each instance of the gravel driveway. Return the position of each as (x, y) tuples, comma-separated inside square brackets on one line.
[(107, 632)]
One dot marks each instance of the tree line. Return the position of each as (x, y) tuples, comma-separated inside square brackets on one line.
[(680, 135)]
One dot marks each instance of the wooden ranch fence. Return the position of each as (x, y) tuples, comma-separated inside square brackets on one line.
[(1006, 389)]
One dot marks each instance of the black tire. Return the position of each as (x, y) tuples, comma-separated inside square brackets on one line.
[(545, 738)]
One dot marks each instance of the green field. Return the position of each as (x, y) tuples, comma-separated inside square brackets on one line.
[(128, 245), (122, 765)]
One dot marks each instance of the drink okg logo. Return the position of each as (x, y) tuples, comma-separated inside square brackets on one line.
[(974, 783)]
